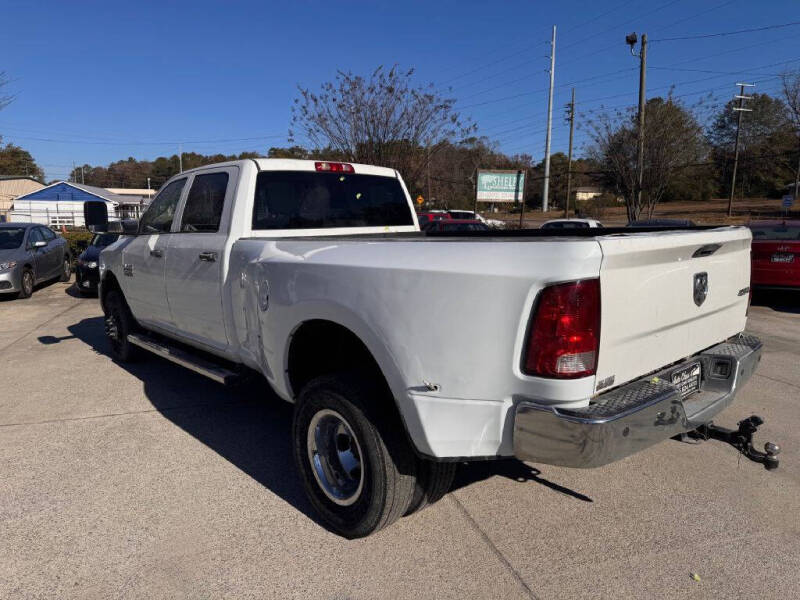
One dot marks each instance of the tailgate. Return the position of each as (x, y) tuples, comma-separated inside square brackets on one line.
[(651, 315)]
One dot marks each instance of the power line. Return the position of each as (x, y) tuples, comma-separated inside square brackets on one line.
[(726, 33)]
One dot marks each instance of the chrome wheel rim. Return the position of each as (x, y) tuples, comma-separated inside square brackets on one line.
[(112, 328), (67, 268), (335, 455)]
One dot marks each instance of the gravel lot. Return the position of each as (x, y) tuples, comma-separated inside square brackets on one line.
[(151, 481)]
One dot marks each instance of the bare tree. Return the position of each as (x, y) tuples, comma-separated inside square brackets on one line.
[(673, 140), (382, 120), (791, 94)]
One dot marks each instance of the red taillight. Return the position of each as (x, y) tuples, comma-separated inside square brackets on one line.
[(565, 331), (334, 167)]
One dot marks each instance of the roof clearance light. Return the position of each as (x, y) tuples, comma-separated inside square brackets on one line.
[(334, 167)]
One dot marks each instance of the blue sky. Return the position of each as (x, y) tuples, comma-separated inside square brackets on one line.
[(101, 81)]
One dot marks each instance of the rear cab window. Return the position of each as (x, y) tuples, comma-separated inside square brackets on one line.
[(314, 200)]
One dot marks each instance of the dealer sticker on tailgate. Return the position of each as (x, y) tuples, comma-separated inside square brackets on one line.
[(687, 379)]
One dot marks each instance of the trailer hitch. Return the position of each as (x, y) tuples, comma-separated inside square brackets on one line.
[(741, 439)]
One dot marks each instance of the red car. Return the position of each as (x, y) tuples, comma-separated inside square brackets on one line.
[(776, 254), (430, 217)]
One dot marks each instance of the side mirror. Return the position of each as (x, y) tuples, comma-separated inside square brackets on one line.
[(39, 244), (95, 216)]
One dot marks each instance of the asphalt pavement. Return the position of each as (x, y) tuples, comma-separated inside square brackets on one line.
[(150, 481)]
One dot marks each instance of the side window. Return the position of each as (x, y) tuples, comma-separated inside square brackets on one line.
[(158, 217), (47, 234), (203, 210), (34, 236)]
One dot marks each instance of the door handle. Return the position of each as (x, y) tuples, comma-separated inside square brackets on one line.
[(157, 253), (208, 256)]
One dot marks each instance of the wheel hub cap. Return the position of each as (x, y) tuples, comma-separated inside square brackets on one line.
[(335, 456)]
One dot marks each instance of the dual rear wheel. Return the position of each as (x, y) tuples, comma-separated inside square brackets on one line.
[(356, 464)]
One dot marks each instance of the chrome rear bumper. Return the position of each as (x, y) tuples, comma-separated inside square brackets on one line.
[(637, 415)]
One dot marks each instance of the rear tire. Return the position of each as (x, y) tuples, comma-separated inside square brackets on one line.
[(26, 284), (434, 480), (119, 322), (356, 466)]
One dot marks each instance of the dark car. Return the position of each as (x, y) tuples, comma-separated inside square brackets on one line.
[(662, 223), (429, 217), (775, 254), (455, 225), (29, 254), (87, 274)]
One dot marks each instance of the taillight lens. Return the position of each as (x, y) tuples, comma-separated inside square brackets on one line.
[(334, 167), (564, 334)]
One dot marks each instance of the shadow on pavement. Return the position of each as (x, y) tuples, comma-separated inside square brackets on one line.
[(250, 426), (787, 301)]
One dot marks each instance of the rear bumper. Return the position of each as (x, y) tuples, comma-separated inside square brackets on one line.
[(636, 415)]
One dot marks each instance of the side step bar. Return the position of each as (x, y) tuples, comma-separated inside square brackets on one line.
[(184, 358)]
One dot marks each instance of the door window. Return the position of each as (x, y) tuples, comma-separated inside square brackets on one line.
[(203, 210), (47, 234), (158, 217), (35, 236)]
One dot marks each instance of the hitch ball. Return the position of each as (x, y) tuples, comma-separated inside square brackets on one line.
[(772, 449)]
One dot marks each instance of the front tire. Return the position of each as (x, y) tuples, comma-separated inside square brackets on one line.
[(356, 466), (26, 284), (119, 322), (66, 269)]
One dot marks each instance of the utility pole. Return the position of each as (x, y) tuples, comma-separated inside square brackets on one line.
[(82, 182), (569, 158), (546, 185), (180, 158), (428, 175), (740, 109), (631, 40)]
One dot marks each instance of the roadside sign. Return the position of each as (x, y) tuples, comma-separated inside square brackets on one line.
[(420, 199), (501, 186), (788, 201)]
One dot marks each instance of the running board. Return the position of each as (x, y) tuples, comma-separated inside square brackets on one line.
[(184, 358)]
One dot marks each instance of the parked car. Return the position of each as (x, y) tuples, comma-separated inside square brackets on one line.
[(456, 225), (468, 214), (30, 254), (776, 254), (315, 275), (575, 223), (87, 274), (429, 217), (662, 223)]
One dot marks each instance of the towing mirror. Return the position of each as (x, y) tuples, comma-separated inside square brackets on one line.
[(95, 216)]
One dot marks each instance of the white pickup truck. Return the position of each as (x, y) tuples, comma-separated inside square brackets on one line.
[(406, 353)]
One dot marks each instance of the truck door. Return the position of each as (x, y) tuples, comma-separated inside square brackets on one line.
[(144, 259), (197, 258)]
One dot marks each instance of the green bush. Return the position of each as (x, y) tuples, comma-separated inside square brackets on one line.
[(78, 241)]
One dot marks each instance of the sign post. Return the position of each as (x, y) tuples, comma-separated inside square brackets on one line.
[(788, 202)]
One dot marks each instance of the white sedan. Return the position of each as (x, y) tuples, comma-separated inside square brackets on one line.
[(571, 224)]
